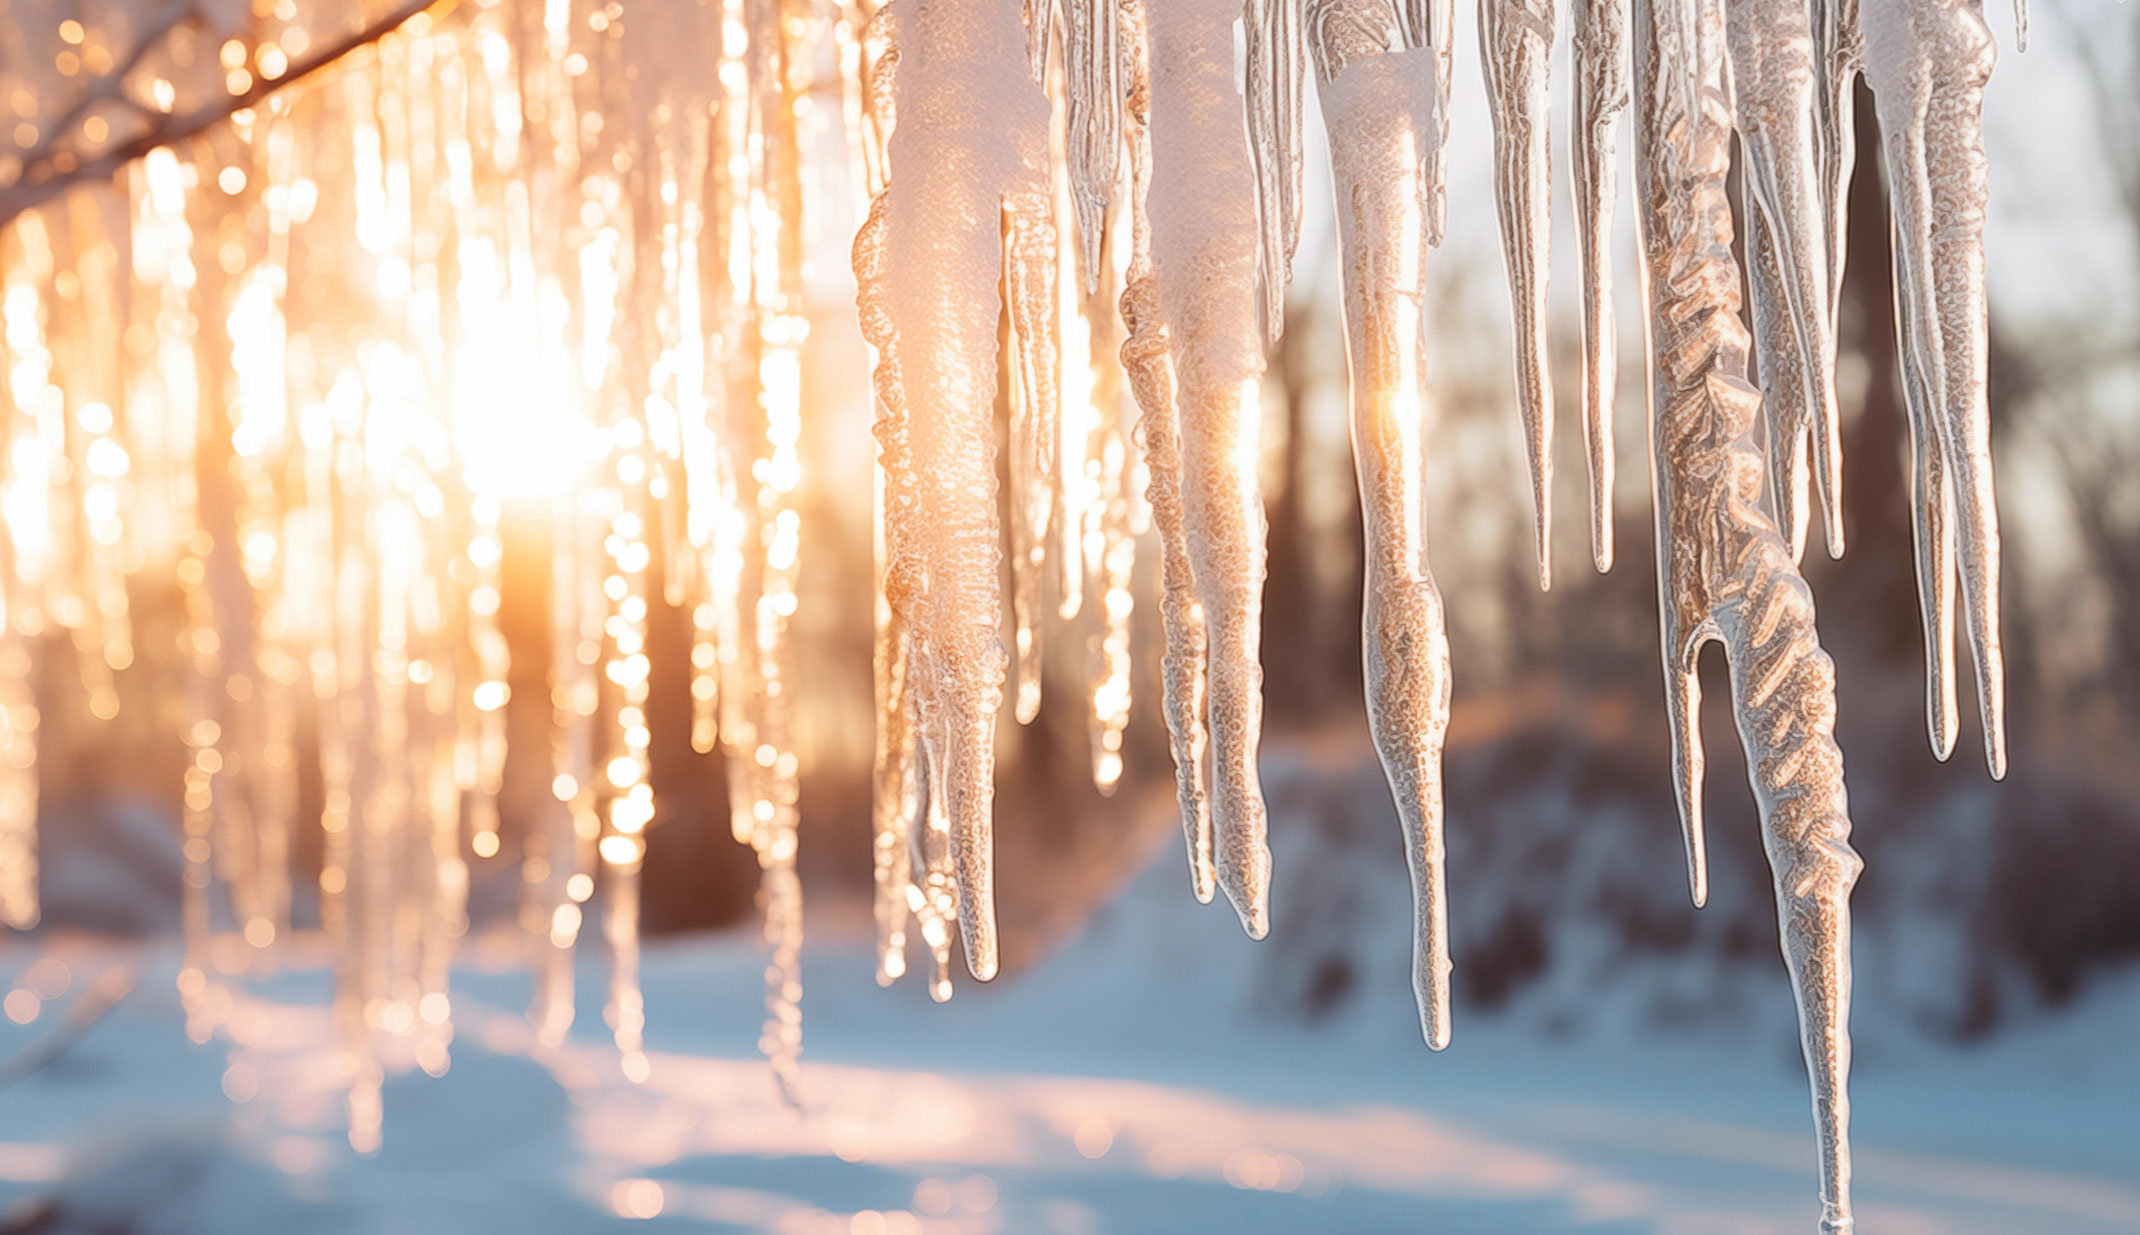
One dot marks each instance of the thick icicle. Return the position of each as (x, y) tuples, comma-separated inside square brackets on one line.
[(1203, 221), (963, 100), (1276, 68), (1598, 49), (1149, 364), (1093, 145), (1516, 46), (1927, 62), (1724, 572), (1773, 84), (1378, 105)]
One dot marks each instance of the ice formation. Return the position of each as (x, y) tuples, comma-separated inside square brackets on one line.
[(1927, 62), (1379, 101), (1201, 205), (1725, 574), (1515, 48), (1148, 361), (1772, 83), (574, 241), (1598, 50)]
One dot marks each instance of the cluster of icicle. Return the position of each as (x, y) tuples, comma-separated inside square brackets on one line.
[(564, 286), (587, 221), (1159, 140)]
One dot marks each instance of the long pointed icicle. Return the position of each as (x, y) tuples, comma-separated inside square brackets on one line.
[(1378, 104), (1773, 80), (1724, 572), (1598, 50), (1838, 54), (1093, 144), (1149, 365), (897, 770), (1036, 400), (963, 98), (1516, 47), (1928, 62), (1030, 269), (1204, 257), (1275, 72)]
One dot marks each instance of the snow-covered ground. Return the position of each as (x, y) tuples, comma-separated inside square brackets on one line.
[(1135, 1082)]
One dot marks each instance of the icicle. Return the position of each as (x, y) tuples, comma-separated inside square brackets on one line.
[(1598, 48), (896, 775), (1516, 44), (630, 795), (1432, 24), (1038, 17), (782, 328), (1275, 69), (1036, 402), (1378, 104), (969, 118), (18, 771), (483, 734), (935, 899), (1109, 523), (1773, 84), (1724, 572), (1093, 142), (25, 540), (1927, 62), (1089, 367), (1203, 233), (897, 778), (1148, 361), (552, 854), (1838, 54)]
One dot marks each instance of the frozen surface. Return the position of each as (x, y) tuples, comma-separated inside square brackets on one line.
[(1140, 1081)]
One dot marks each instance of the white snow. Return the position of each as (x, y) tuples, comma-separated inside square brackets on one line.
[(1046, 1105)]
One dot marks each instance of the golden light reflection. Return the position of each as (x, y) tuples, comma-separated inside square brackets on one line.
[(323, 352), (312, 365)]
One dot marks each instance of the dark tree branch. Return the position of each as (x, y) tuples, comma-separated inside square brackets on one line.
[(27, 192)]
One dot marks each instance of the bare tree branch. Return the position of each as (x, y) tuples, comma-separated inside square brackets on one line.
[(41, 180)]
